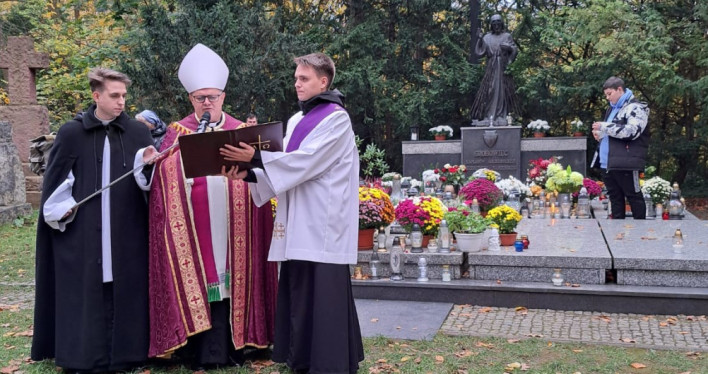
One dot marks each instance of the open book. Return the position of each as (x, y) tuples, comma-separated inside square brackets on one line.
[(200, 152)]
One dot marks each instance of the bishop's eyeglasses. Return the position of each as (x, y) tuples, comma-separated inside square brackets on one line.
[(211, 98)]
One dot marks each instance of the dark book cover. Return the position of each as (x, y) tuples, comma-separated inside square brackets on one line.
[(200, 152)]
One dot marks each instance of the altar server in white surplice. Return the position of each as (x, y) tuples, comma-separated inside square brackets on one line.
[(316, 181)]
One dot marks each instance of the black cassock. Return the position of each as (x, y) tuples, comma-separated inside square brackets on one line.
[(80, 321)]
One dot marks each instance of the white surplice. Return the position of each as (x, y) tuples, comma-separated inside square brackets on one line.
[(317, 187)]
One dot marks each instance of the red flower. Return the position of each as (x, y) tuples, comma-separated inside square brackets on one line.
[(436, 171), (453, 170), (443, 179)]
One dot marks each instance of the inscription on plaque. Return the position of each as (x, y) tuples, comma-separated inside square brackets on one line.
[(493, 148)]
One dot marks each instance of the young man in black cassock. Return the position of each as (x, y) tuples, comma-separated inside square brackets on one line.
[(91, 311)]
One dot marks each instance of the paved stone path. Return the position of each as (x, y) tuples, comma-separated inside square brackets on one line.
[(681, 332)]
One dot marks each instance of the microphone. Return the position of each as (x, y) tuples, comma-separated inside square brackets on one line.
[(204, 122)]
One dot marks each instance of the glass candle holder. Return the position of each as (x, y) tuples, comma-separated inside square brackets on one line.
[(446, 274), (557, 278)]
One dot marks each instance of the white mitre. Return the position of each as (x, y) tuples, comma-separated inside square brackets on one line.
[(202, 68)]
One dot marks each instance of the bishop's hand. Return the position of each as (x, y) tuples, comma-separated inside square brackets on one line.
[(234, 173)]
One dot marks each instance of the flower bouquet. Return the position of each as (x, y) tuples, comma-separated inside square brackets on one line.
[(539, 126), (594, 189), (563, 181), (486, 174), (504, 218), (452, 174), (487, 194), (509, 184), (538, 174), (441, 130), (463, 220), (659, 189), (426, 211), (375, 208)]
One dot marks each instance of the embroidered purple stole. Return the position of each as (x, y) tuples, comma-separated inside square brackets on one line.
[(309, 122)]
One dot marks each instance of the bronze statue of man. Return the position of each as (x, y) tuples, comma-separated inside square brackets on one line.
[(496, 96)]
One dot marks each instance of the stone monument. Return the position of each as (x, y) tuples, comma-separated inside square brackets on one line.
[(13, 203), (28, 119)]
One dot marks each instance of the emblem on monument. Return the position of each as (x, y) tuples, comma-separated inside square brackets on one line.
[(490, 138)]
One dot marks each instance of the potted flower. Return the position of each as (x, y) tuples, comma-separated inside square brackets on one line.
[(505, 219), (577, 127), (453, 175), (659, 189), (594, 189), (441, 132), (468, 228), (487, 194), (375, 210), (539, 127), (426, 211)]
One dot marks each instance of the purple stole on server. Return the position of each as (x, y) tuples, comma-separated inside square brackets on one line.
[(182, 263), (309, 122)]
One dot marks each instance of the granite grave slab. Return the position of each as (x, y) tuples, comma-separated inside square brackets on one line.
[(576, 246), (643, 253)]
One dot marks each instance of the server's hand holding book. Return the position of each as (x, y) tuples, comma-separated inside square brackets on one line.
[(200, 152)]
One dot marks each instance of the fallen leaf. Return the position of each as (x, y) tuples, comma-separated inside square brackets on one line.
[(418, 360), (512, 366), (535, 335), (439, 359), (603, 318), (663, 324), (25, 333), (484, 345), (9, 369), (525, 367), (405, 358), (575, 285), (461, 371), (374, 320), (685, 372), (619, 236), (381, 361), (577, 350), (628, 340), (463, 353), (512, 341), (486, 309), (637, 365), (498, 281), (398, 327)]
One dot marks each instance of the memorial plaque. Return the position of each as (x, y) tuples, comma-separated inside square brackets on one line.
[(496, 148)]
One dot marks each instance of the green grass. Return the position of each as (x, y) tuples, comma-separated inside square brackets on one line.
[(444, 354), (17, 250)]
